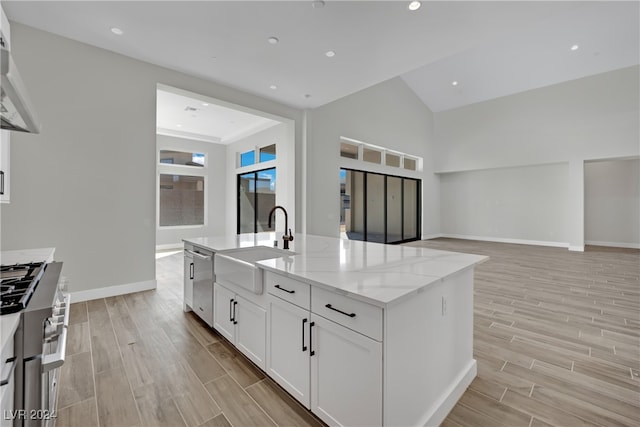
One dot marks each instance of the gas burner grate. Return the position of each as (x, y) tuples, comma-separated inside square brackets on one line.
[(17, 283)]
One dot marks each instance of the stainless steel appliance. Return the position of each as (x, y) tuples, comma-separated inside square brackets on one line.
[(40, 340), (203, 284), (16, 112)]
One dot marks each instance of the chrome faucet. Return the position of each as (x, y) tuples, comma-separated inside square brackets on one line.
[(287, 237)]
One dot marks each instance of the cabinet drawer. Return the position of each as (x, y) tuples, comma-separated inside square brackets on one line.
[(357, 315), (291, 290)]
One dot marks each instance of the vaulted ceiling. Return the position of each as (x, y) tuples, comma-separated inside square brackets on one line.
[(281, 49)]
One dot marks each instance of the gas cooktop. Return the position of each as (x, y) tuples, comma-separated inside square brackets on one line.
[(17, 283)]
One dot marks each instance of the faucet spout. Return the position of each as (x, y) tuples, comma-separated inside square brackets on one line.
[(286, 237)]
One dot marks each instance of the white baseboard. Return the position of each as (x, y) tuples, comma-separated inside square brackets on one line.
[(613, 244), (168, 246), (507, 240), (449, 398), (112, 291), (576, 248)]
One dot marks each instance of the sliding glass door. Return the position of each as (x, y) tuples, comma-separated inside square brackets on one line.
[(379, 208), (256, 197)]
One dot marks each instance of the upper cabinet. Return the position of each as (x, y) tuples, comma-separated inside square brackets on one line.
[(4, 166)]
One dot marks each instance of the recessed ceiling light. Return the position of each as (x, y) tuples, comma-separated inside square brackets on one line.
[(454, 83), (117, 31), (317, 4), (575, 47), (330, 53), (414, 5), (204, 104), (179, 125), (273, 40), (274, 87)]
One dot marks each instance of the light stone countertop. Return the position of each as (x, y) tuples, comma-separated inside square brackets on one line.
[(375, 273), (9, 322)]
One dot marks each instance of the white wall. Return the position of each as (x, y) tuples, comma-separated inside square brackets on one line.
[(215, 188), (612, 203), (87, 183), (507, 204), (282, 136), (590, 118), (389, 115), (596, 117)]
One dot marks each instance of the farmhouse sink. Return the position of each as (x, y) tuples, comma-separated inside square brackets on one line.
[(237, 266)]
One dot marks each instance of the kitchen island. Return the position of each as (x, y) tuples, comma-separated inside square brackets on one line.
[(360, 333)]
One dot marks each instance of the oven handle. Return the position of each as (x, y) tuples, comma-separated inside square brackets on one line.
[(55, 360)]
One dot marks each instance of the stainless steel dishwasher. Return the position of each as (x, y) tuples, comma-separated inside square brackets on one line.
[(203, 284)]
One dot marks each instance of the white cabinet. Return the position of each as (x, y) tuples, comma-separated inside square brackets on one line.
[(288, 361), (188, 279), (345, 367), (325, 363), (5, 175), (242, 322)]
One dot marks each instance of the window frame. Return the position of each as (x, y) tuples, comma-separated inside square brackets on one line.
[(255, 211), (182, 170)]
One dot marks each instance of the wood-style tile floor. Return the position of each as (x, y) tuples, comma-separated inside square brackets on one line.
[(557, 340)]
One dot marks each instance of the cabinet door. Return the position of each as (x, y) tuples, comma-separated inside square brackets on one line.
[(288, 361), (346, 375), (251, 330), (188, 283), (223, 307)]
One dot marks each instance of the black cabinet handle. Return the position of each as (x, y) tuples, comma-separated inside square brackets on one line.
[(1, 183), (191, 271), (283, 289), (235, 322), (304, 347), (311, 325), (230, 308), (340, 311)]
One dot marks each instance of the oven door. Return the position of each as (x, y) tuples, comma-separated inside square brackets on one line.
[(41, 395)]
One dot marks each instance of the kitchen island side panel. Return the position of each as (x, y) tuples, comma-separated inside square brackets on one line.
[(428, 352)]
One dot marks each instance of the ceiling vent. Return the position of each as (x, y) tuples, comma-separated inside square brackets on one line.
[(187, 108)]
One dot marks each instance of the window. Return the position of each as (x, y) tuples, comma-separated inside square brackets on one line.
[(171, 157), (256, 197), (181, 200), (379, 208), (392, 160), (409, 164), (264, 154), (268, 153), (350, 151), (248, 158), (372, 156)]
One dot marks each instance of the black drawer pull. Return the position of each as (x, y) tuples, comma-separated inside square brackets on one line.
[(340, 311), (191, 271), (283, 289), (235, 321), (304, 347), (1, 183), (311, 350), (230, 310)]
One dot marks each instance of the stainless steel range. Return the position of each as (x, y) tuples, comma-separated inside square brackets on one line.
[(32, 290)]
